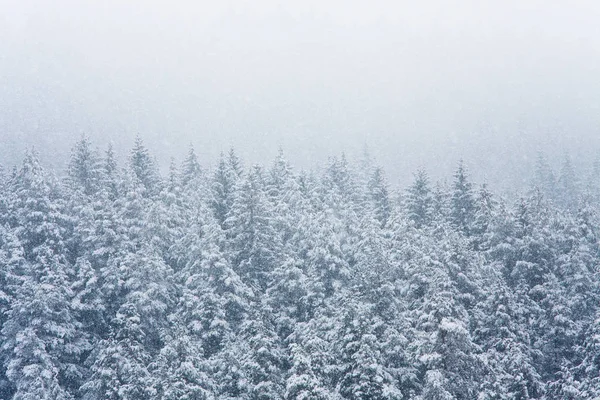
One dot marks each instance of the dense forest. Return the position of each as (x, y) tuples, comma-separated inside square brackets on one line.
[(272, 283)]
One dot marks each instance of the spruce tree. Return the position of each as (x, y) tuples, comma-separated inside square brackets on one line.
[(143, 168), (462, 203), (224, 186), (190, 169), (254, 244), (85, 170), (379, 197), (419, 201), (568, 185)]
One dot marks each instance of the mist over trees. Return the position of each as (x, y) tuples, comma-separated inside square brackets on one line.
[(266, 282)]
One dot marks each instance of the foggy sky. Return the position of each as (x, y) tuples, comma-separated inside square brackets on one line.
[(422, 84)]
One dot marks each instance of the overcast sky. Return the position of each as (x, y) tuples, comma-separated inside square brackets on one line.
[(422, 83)]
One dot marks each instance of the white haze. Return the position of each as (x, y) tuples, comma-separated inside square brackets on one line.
[(422, 83)]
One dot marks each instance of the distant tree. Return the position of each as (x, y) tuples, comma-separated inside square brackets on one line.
[(339, 184), (85, 169), (234, 163), (568, 185), (485, 209), (592, 184), (172, 183), (419, 200), (441, 203), (224, 186), (278, 176), (143, 168), (462, 203), (190, 169), (379, 197), (112, 179), (545, 179)]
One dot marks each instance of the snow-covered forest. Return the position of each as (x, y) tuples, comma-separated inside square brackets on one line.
[(267, 282)]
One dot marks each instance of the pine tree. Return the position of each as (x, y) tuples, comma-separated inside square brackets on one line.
[(254, 244), (87, 302), (590, 366), (371, 268), (456, 360), (214, 300), (13, 273), (568, 185), (85, 170), (545, 180), (435, 387), (485, 205), (41, 338), (234, 163), (462, 203), (380, 200), (224, 186), (339, 185), (303, 383), (419, 201), (263, 361), (286, 199), (501, 329), (326, 261), (112, 180), (180, 371), (36, 210), (120, 367), (168, 216), (148, 282), (592, 187), (361, 374), (190, 169), (441, 203), (143, 168), (292, 296)]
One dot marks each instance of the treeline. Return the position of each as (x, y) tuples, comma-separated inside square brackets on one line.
[(269, 283), (566, 187)]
